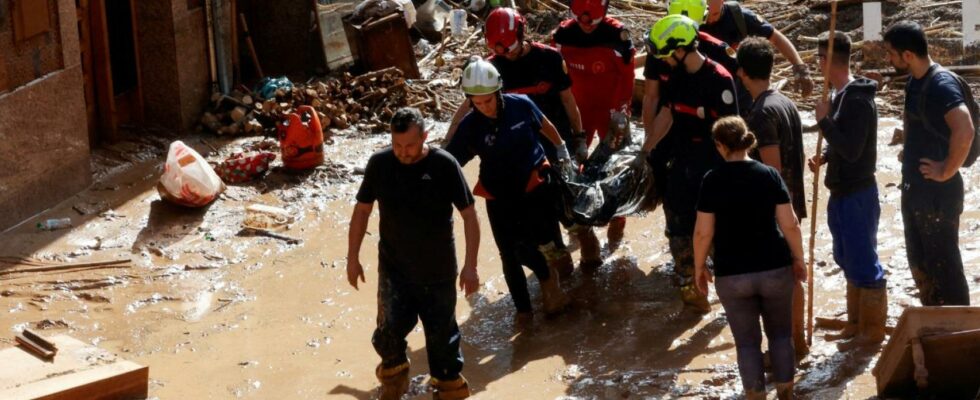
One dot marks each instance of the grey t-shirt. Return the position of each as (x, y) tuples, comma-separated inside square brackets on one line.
[(775, 121)]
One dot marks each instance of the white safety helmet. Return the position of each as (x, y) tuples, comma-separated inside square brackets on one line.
[(481, 77)]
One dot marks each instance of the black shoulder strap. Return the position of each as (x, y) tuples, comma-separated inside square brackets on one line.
[(736, 10), (923, 95)]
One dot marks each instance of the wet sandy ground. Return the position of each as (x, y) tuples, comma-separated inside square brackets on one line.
[(218, 315)]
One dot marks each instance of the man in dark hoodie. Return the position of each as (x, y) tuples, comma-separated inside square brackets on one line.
[(850, 122), (774, 119)]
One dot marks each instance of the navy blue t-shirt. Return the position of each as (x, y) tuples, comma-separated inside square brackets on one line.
[(944, 94), (416, 204), (726, 29), (508, 146)]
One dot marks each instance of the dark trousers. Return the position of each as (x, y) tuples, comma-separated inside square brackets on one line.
[(682, 187), (746, 297), (400, 306), (853, 221), (931, 214), (519, 226)]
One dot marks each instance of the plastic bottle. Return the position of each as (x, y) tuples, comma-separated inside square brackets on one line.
[(54, 224)]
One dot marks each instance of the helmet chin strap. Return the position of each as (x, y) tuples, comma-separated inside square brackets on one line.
[(680, 62)]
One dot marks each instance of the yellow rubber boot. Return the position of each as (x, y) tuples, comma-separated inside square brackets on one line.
[(394, 381), (450, 390)]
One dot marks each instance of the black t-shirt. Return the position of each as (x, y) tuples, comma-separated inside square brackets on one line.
[(775, 121), (743, 196), (540, 74), (944, 94), (726, 29), (416, 204)]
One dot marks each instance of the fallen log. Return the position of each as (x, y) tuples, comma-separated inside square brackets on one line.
[(57, 267)]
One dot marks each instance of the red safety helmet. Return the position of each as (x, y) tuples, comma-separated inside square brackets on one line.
[(590, 12), (504, 30)]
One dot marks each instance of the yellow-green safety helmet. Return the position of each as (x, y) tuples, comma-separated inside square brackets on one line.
[(670, 33), (693, 9)]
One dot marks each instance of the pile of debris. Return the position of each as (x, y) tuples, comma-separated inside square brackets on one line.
[(366, 101)]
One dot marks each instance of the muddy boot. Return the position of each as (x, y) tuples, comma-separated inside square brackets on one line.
[(394, 381), (557, 258), (871, 320), (784, 391), (799, 329), (851, 328), (589, 245), (755, 394), (554, 298), (615, 232), (694, 300), (523, 321), (450, 390)]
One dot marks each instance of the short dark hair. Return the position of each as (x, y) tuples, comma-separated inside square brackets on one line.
[(842, 46), (405, 118), (907, 36), (755, 57)]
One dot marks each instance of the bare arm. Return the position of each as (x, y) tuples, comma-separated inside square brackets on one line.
[(661, 124), (785, 47), (790, 226), (549, 131), (704, 233), (461, 111), (571, 109), (355, 236), (771, 157), (960, 139), (651, 98), (469, 280)]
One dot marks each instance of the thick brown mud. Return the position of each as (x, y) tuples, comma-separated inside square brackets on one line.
[(216, 313)]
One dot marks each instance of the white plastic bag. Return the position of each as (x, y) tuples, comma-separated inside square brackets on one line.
[(187, 178)]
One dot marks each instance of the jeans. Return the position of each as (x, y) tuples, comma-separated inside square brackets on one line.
[(746, 297), (853, 221), (931, 214), (400, 306)]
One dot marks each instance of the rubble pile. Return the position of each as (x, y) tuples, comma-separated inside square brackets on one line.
[(366, 102)]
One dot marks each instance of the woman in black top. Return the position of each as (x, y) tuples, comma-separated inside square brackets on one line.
[(744, 211)]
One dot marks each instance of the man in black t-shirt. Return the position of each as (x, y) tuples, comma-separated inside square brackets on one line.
[(698, 93), (732, 23), (776, 124), (416, 188), (939, 131)]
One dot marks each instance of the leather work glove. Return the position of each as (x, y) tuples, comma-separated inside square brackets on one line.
[(803, 82)]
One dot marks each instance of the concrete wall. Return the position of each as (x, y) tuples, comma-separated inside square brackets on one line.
[(44, 151), (174, 63)]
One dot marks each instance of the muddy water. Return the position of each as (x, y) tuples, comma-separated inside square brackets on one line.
[(219, 315)]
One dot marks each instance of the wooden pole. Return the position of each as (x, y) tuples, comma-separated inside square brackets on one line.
[(816, 174), (251, 47)]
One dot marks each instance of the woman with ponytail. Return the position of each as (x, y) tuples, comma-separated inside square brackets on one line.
[(744, 212)]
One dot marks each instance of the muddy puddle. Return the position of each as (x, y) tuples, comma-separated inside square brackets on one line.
[(218, 314)]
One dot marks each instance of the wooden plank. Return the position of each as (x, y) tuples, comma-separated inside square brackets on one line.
[(137, 111), (78, 372), (102, 70)]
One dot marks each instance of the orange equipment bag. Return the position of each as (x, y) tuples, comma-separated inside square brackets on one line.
[(301, 142)]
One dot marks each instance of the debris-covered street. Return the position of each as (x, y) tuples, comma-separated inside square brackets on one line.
[(217, 309)]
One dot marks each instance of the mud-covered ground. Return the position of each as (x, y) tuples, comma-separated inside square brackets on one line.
[(216, 314), (219, 314)]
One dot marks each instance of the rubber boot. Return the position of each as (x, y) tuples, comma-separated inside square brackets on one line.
[(394, 381), (450, 390), (799, 329), (694, 299), (755, 394), (784, 391), (871, 320), (523, 321), (591, 259), (615, 232), (853, 313), (559, 258), (554, 298)]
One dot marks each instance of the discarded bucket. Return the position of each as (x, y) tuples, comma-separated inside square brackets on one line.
[(301, 139)]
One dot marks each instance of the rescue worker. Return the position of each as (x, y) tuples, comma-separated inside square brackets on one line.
[(849, 122), (732, 23), (503, 131), (939, 133), (774, 119), (538, 71), (698, 92), (599, 54), (416, 187)]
